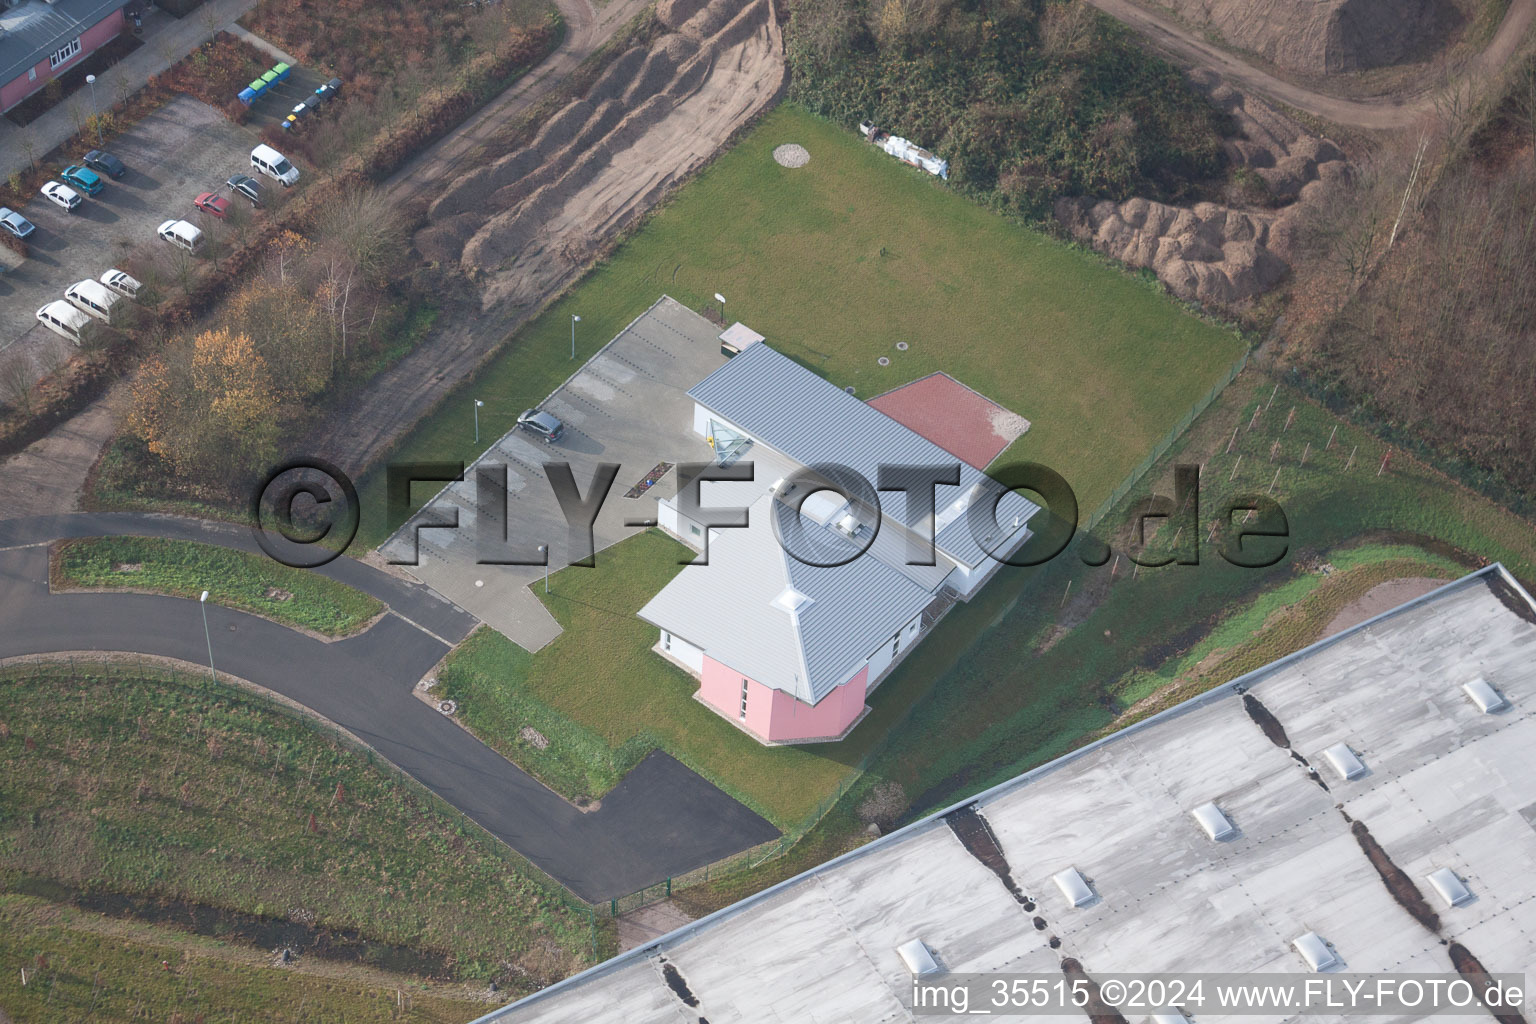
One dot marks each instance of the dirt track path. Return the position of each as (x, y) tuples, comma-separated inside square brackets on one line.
[(1388, 112)]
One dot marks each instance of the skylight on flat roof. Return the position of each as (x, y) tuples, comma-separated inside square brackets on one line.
[(1171, 1016), (1450, 887), (1487, 699), (1215, 823), (1073, 886), (1345, 761), (916, 956), (1315, 951)]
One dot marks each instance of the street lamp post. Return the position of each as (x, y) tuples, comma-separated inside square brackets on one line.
[(202, 603), (478, 404), (574, 321), (721, 299), (95, 110)]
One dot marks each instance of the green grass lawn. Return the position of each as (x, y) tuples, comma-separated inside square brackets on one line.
[(838, 261), (1061, 665), (603, 698), (117, 780), (235, 579)]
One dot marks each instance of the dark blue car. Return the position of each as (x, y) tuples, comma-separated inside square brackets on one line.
[(104, 162)]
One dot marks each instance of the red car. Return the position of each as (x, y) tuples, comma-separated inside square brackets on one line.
[(208, 202)]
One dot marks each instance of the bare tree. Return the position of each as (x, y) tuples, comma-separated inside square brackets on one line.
[(16, 381)]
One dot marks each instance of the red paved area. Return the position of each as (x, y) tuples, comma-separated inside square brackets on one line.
[(952, 416)]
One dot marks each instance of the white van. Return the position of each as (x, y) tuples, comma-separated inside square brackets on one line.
[(274, 165), (93, 299), (63, 319), (180, 233), (121, 283)]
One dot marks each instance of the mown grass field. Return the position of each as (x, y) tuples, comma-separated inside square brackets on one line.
[(603, 698), (235, 579), (123, 780), (839, 260)]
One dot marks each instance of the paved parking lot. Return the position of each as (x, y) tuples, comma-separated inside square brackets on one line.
[(628, 404), (184, 148)]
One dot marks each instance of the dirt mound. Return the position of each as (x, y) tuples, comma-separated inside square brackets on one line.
[(1330, 36), (1217, 255), (529, 219)]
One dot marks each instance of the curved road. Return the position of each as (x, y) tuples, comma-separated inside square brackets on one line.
[(1385, 112), (660, 821)]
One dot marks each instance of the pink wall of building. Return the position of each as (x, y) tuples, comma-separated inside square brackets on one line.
[(98, 35), (776, 716)]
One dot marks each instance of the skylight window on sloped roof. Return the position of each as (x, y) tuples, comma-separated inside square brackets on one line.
[(1344, 761), (1487, 699), (1216, 824)]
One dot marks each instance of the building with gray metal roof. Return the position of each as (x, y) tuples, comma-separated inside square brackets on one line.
[(1109, 859)]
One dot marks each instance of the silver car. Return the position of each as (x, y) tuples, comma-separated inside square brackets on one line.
[(15, 223)]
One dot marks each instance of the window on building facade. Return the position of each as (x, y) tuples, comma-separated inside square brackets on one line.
[(744, 698), (64, 52), (666, 641)]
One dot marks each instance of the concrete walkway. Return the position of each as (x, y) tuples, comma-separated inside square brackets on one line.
[(662, 820), (166, 41)]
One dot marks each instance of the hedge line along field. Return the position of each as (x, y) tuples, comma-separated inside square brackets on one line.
[(843, 258)]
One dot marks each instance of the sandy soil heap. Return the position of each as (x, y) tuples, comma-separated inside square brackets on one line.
[(1208, 253), (527, 220)]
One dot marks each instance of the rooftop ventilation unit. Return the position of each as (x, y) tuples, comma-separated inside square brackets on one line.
[(1345, 761), (918, 959), (1316, 952), (1073, 886), (1487, 699), (1450, 887), (1216, 824)]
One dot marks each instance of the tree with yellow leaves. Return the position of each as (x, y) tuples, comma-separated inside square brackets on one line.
[(208, 407)]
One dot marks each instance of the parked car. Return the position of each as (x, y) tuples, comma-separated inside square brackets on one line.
[(61, 195), (120, 282), (273, 164), (80, 177), (101, 161), (541, 424), (181, 234), (63, 319), (15, 223), (93, 299), (247, 186), (212, 202)]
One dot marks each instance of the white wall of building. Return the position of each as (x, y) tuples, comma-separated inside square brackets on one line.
[(683, 651)]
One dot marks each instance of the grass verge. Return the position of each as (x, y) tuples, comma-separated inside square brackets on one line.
[(838, 261), (235, 579), (129, 782)]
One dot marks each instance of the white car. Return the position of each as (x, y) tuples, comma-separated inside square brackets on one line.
[(181, 234), (63, 319), (14, 222), (274, 165), (62, 195), (120, 282)]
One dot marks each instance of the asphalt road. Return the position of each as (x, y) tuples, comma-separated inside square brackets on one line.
[(661, 821)]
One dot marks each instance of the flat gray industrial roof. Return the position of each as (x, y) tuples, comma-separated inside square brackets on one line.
[(1446, 786)]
